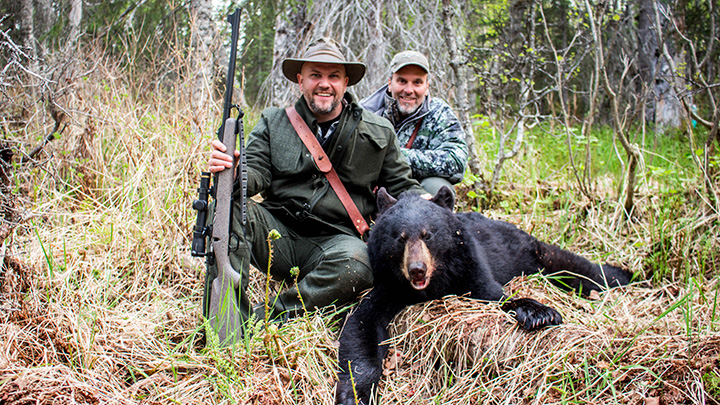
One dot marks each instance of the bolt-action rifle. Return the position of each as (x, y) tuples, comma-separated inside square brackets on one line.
[(223, 312)]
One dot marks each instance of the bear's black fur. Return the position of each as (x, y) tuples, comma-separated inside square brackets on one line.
[(420, 250)]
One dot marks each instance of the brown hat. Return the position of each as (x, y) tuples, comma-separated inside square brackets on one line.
[(409, 58), (323, 51)]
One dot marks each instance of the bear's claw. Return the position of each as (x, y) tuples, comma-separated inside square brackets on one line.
[(532, 315)]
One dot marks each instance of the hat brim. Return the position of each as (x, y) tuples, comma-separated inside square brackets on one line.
[(354, 70)]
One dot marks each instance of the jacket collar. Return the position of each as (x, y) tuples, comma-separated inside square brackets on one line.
[(382, 103)]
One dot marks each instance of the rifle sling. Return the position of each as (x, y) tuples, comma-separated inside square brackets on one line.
[(324, 165), (410, 141)]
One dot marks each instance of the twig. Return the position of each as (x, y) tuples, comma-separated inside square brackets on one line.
[(30, 156)]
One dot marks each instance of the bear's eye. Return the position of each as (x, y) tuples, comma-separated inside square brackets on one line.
[(402, 237), (427, 235)]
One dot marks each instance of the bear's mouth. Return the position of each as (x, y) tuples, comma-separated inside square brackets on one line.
[(419, 283)]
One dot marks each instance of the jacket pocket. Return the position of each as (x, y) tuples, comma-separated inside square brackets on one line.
[(363, 165), (287, 153)]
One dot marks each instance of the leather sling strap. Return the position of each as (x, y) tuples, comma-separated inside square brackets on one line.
[(323, 163), (414, 134)]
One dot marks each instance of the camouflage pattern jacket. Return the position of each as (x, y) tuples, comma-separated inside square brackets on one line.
[(439, 149)]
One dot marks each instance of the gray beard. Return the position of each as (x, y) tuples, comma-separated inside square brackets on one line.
[(317, 110), (403, 112)]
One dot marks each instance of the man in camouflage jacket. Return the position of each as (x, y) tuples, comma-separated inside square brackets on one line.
[(437, 153), (317, 235)]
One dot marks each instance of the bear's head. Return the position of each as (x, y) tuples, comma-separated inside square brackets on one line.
[(412, 236)]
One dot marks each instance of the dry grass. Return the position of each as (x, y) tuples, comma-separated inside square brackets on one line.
[(619, 348), (100, 300)]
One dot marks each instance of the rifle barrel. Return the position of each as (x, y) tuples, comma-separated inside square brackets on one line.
[(234, 20)]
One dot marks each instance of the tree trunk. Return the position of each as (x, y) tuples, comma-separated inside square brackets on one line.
[(203, 32), (375, 57), (631, 150), (45, 18), (291, 31), (663, 107), (455, 43), (526, 88), (74, 19), (27, 31)]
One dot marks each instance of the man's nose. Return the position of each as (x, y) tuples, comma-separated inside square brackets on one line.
[(324, 82)]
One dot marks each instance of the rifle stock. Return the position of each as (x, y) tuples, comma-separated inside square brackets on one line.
[(224, 305)]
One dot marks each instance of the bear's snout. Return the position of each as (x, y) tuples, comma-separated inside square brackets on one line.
[(418, 264), (416, 270)]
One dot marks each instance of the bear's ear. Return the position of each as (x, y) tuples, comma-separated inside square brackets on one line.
[(444, 198), (384, 200)]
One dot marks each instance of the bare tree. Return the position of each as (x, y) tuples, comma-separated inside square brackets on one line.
[(27, 30), (291, 37), (619, 118), (45, 18), (203, 62), (76, 9), (370, 31), (662, 107), (455, 43), (709, 171), (377, 51)]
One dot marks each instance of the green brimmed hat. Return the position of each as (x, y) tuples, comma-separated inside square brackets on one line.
[(323, 51)]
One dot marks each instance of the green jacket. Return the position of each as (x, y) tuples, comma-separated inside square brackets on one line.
[(364, 152)]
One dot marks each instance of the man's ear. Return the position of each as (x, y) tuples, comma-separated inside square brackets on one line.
[(384, 200), (444, 198)]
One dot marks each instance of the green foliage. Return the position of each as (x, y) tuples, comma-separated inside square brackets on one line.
[(139, 31), (259, 37), (711, 378)]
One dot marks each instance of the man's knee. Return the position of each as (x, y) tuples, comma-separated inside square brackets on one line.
[(433, 184), (359, 275), (355, 267)]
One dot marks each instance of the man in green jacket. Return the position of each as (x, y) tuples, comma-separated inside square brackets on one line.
[(318, 237)]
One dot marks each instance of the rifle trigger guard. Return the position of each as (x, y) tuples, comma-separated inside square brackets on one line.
[(234, 242)]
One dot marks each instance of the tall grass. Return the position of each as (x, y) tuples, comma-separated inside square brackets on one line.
[(101, 300)]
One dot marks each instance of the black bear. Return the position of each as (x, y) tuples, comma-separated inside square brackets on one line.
[(421, 250)]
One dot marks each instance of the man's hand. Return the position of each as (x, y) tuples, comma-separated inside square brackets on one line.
[(219, 160)]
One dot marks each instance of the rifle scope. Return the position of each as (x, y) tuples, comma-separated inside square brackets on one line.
[(201, 206)]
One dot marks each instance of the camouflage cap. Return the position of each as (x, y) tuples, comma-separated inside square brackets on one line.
[(409, 58), (323, 50)]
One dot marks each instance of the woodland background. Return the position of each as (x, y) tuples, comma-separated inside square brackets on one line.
[(593, 125)]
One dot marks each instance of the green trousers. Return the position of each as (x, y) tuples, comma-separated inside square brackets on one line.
[(331, 269), (433, 184)]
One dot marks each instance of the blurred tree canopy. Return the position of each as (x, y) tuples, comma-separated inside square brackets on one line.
[(650, 64)]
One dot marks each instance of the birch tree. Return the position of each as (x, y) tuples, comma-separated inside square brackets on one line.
[(291, 31), (455, 41), (662, 104), (27, 30), (74, 19), (203, 62)]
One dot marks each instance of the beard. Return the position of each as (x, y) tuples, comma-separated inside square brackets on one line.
[(406, 109), (327, 109)]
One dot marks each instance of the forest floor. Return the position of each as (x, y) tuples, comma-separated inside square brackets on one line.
[(100, 298)]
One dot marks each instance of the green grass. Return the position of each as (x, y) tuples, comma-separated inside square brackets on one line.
[(101, 299)]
